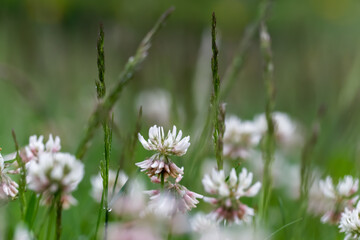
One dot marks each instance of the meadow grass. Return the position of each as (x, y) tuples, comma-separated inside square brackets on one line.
[(284, 209)]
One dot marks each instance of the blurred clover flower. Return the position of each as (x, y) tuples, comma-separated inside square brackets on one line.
[(36, 147), (287, 132), (55, 173), (341, 197), (350, 223), (160, 163), (182, 199), (8, 187), (97, 184), (240, 137), (229, 208)]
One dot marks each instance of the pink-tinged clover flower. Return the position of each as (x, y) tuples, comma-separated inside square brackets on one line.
[(160, 163), (36, 147), (8, 187), (228, 192)]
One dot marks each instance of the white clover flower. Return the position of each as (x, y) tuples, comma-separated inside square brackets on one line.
[(341, 197), (172, 144), (156, 105), (350, 223), (228, 206), (240, 137), (55, 173), (97, 184), (8, 187), (287, 131), (36, 147), (159, 164)]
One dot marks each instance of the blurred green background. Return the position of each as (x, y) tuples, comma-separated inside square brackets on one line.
[(48, 70)]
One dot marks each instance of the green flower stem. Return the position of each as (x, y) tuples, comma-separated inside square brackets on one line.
[(269, 138)]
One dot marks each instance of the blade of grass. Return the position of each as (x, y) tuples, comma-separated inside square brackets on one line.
[(32, 210), (103, 109), (218, 122)]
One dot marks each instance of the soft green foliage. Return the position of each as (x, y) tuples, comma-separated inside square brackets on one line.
[(48, 66)]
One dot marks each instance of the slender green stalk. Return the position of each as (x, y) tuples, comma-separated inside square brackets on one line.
[(228, 80), (58, 216), (269, 138), (100, 84), (104, 108), (305, 171), (306, 159), (105, 172), (217, 121), (22, 182)]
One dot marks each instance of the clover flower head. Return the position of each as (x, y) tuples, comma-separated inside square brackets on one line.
[(36, 147), (350, 223), (55, 173), (160, 164), (172, 144), (340, 196), (240, 137), (8, 187), (97, 184), (228, 193)]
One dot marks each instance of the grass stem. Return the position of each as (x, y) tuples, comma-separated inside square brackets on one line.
[(104, 108), (58, 216), (269, 138), (217, 125)]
